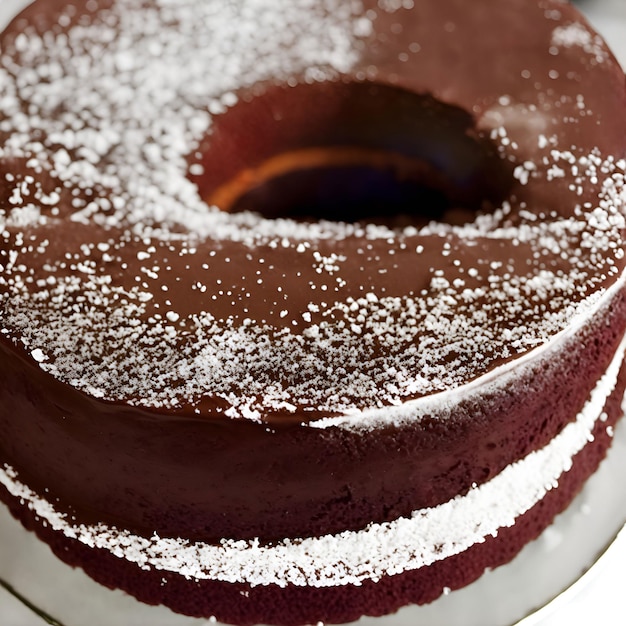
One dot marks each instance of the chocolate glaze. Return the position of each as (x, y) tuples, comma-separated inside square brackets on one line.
[(106, 410), (291, 294)]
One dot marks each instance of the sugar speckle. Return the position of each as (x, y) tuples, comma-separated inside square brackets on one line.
[(39, 355)]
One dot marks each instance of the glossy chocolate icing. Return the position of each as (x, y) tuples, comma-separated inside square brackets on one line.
[(256, 317), (116, 402)]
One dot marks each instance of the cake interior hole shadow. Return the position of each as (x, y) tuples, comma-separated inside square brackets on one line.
[(350, 152)]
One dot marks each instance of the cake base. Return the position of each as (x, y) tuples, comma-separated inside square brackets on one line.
[(546, 566)]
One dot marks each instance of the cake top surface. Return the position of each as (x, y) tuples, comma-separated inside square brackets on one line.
[(120, 280)]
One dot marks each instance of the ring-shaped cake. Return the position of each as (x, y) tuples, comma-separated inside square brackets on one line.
[(309, 310)]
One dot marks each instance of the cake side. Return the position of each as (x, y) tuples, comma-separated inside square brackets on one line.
[(431, 557), (193, 476)]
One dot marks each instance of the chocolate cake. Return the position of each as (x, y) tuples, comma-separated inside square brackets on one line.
[(308, 310)]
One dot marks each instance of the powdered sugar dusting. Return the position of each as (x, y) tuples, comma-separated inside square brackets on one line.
[(351, 557), (577, 34), (158, 300)]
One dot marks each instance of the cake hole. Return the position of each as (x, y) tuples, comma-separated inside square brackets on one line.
[(350, 152), (359, 191)]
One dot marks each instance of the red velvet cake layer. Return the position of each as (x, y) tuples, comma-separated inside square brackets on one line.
[(240, 604)]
